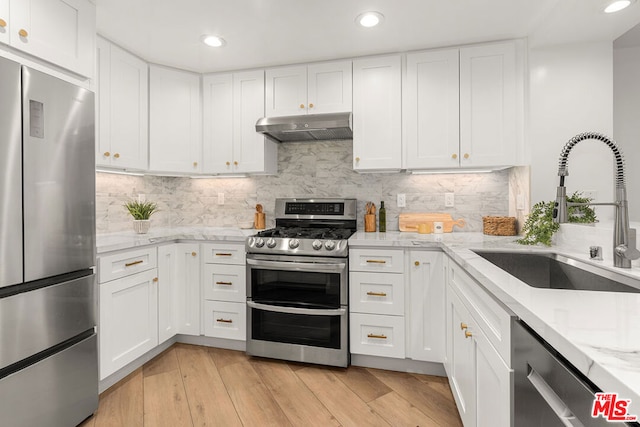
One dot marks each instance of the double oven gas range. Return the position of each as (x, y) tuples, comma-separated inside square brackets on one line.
[(297, 282)]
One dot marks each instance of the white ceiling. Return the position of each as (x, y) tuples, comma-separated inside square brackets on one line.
[(262, 33)]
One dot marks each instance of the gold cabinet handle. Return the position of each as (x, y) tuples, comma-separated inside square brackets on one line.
[(155, 280), (454, 156), (23, 33), (225, 283), (235, 163), (417, 263), (467, 334), (116, 156), (193, 254), (466, 155), (376, 261), (381, 336), (106, 154), (463, 326), (228, 163), (377, 294), (357, 159), (223, 254), (224, 320), (129, 264), (195, 164), (301, 105), (3, 23), (311, 105)]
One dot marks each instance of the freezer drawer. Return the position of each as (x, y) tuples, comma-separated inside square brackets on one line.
[(59, 391), (34, 321)]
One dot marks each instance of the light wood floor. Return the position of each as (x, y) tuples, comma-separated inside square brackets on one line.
[(199, 386)]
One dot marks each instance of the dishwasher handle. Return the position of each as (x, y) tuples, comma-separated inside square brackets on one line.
[(554, 401)]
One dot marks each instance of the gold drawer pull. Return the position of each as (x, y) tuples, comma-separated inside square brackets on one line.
[(193, 254), (155, 280), (225, 283), (106, 154), (3, 23), (223, 254), (311, 105), (377, 294), (116, 156), (463, 326), (301, 105), (224, 320), (376, 261), (466, 155), (382, 336), (467, 334), (23, 33), (129, 264), (454, 156)]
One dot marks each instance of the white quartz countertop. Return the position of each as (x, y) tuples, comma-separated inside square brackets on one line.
[(598, 332), (128, 239)]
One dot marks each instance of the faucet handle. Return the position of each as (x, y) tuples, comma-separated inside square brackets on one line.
[(627, 252), (595, 253)]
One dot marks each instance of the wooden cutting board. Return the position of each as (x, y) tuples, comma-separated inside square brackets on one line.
[(410, 221)]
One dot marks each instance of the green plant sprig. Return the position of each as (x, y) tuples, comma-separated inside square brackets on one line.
[(539, 226), (141, 210)]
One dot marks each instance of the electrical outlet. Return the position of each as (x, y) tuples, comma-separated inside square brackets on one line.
[(142, 198), (402, 201), (221, 198), (448, 200)]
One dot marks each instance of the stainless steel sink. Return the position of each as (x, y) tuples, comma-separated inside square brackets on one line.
[(553, 271)]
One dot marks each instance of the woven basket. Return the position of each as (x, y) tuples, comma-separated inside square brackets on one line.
[(499, 225)]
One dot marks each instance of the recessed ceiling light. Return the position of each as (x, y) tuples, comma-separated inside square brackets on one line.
[(369, 19), (213, 41), (617, 5)]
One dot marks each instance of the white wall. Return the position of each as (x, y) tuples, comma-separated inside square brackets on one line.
[(571, 92), (626, 118)]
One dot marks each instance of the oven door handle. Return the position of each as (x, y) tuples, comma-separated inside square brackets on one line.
[(299, 266), (294, 310)]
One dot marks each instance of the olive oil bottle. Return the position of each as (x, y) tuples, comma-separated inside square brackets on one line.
[(382, 218)]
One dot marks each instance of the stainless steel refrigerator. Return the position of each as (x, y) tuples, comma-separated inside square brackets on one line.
[(48, 299)]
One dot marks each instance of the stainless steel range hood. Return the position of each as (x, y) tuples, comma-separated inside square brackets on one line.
[(311, 127)]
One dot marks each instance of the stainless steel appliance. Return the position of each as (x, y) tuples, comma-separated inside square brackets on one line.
[(48, 346), (297, 282), (548, 390), (308, 127)]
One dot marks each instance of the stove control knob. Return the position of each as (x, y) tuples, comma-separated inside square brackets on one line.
[(330, 245), (316, 244), (259, 242), (294, 243), (271, 243), (251, 241)]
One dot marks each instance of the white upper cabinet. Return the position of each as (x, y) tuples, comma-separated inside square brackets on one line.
[(490, 105), (377, 114), (233, 103), (463, 107), (62, 32), (123, 109), (317, 88), (175, 137), (431, 113)]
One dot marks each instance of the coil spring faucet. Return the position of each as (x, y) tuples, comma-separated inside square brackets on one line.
[(624, 238)]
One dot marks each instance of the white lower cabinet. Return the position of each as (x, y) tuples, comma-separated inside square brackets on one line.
[(167, 293), (481, 380), (128, 319), (225, 292), (189, 298), (425, 303)]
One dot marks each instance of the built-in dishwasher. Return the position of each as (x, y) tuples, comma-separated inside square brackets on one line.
[(548, 390)]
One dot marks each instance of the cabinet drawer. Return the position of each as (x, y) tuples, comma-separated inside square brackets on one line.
[(225, 320), (490, 316), (377, 335), (224, 254), (376, 293), (390, 261), (124, 264), (225, 282)]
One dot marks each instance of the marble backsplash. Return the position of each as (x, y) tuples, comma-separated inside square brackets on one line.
[(319, 169)]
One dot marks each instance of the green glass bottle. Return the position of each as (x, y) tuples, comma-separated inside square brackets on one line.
[(382, 218)]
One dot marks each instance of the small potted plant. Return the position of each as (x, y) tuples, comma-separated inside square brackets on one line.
[(141, 212)]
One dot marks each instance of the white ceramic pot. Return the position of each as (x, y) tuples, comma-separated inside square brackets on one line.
[(141, 226)]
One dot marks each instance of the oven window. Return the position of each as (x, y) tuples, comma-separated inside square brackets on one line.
[(295, 288), (310, 330)]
